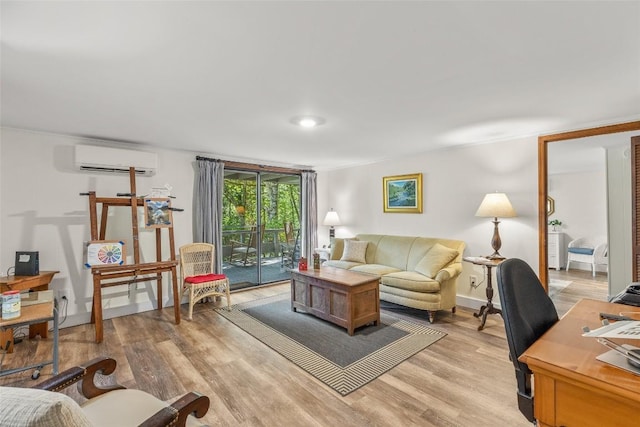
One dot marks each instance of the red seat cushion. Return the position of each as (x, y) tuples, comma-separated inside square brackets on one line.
[(204, 278)]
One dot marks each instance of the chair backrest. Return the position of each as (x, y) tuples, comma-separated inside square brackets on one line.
[(196, 259), (289, 233), (253, 236), (528, 313)]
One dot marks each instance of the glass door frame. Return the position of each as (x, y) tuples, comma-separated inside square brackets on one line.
[(260, 172)]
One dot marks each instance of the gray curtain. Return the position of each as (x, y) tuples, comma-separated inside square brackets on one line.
[(207, 205), (309, 214)]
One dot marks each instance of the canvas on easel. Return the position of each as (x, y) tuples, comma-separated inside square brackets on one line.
[(157, 213), (104, 252)]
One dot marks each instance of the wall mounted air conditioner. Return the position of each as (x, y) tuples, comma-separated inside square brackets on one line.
[(94, 158)]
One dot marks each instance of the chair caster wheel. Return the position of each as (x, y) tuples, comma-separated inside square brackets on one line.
[(36, 374)]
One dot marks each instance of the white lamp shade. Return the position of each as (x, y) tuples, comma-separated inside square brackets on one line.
[(496, 205), (331, 218)]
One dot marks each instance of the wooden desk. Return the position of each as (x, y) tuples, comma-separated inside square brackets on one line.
[(39, 282), (571, 387)]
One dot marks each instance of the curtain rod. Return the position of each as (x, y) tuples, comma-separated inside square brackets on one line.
[(254, 167), (207, 159)]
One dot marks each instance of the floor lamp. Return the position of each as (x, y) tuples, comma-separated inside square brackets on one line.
[(331, 219), (496, 205)]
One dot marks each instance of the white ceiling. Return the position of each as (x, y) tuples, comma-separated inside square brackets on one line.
[(390, 77)]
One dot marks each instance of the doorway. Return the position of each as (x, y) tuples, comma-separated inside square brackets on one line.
[(543, 194), (260, 226)]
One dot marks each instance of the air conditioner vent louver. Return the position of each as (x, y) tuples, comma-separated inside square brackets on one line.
[(92, 158)]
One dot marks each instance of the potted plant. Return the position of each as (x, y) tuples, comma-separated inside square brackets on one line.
[(555, 224)]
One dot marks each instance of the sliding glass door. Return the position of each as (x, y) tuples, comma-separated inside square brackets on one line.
[(261, 226)]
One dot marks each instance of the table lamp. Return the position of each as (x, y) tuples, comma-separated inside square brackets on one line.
[(496, 205), (331, 219)]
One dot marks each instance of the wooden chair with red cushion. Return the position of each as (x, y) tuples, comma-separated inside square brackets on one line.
[(198, 277)]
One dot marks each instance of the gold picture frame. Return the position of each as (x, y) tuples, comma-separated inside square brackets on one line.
[(402, 193), (551, 206)]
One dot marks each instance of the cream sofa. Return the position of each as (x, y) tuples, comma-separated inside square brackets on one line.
[(417, 272)]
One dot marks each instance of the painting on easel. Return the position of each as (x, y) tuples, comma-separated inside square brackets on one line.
[(157, 213)]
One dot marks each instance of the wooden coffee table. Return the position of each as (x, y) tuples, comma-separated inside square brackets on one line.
[(342, 297)]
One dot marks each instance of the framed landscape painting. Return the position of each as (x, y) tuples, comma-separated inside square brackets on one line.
[(402, 193)]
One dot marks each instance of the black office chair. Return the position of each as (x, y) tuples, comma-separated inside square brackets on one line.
[(528, 313)]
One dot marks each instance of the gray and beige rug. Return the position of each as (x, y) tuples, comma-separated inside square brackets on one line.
[(557, 286), (326, 351)]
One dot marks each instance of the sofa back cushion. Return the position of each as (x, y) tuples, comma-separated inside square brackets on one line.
[(402, 252), (388, 250)]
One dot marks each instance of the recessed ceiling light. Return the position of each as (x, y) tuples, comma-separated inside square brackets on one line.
[(308, 121)]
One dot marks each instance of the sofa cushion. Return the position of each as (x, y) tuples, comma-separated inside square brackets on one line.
[(336, 248), (419, 300), (347, 265), (134, 407), (22, 407), (354, 251), (436, 258), (377, 269), (411, 280)]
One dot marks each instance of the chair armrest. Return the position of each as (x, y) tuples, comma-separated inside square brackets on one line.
[(600, 251), (82, 373), (176, 415)]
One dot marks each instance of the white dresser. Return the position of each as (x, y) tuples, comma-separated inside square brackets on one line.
[(557, 252)]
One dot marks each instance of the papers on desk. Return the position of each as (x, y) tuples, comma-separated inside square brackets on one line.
[(627, 329), (619, 360)]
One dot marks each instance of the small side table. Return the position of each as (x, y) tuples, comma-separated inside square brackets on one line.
[(37, 307), (488, 308)]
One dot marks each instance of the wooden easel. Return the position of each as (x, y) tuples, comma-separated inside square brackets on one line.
[(114, 275)]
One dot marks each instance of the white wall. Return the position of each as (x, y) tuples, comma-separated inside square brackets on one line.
[(454, 183), (581, 204), (619, 210), (41, 210)]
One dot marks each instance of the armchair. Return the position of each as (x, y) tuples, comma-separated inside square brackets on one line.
[(592, 251), (106, 405), (289, 249), (248, 249)]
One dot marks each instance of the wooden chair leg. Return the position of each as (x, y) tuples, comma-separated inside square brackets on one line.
[(191, 302)]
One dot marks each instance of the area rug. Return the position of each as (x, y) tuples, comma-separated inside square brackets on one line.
[(326, 351), (557, 286)]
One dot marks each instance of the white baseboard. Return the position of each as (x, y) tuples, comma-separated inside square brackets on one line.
[(108, 313), (473, 303)]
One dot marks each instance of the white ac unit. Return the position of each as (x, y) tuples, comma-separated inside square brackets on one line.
[(114, 160)]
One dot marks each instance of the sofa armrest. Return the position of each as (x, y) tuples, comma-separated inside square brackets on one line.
[(449, 272)]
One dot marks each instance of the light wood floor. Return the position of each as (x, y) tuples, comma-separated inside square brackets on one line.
[(465, 379), (583, 285)]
